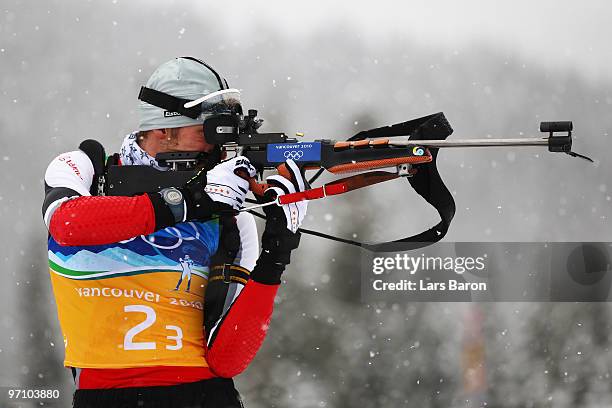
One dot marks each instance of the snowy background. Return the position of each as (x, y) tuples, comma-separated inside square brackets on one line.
[(71, 70)]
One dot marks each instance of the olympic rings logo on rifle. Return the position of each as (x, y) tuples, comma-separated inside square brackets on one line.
[(293, 154)]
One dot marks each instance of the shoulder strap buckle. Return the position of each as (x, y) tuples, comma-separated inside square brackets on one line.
[(225, 272)]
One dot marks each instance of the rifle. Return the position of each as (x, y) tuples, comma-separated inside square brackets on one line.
[(366, 153)]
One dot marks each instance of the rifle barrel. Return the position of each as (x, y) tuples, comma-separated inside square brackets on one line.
[(540, 141)]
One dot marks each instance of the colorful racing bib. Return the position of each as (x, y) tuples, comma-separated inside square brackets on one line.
[(135, 303)]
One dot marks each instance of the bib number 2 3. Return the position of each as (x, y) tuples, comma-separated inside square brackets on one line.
[(128, 339)]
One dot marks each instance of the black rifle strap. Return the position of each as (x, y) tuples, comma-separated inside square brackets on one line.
[(426, 124), (429, 185)]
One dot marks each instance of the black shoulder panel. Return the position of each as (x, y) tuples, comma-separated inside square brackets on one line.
[(95, 151), (52, 194)]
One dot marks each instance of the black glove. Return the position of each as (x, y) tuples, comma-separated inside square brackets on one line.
[(278, 240), (198, 204), (221, 191), (190, 202)]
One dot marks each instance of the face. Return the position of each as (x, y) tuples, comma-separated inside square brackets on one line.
[(188, 139)]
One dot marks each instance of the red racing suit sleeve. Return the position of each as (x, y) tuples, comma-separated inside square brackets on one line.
[(245, 310), (74, 217), (102, 220), (242, 330)]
